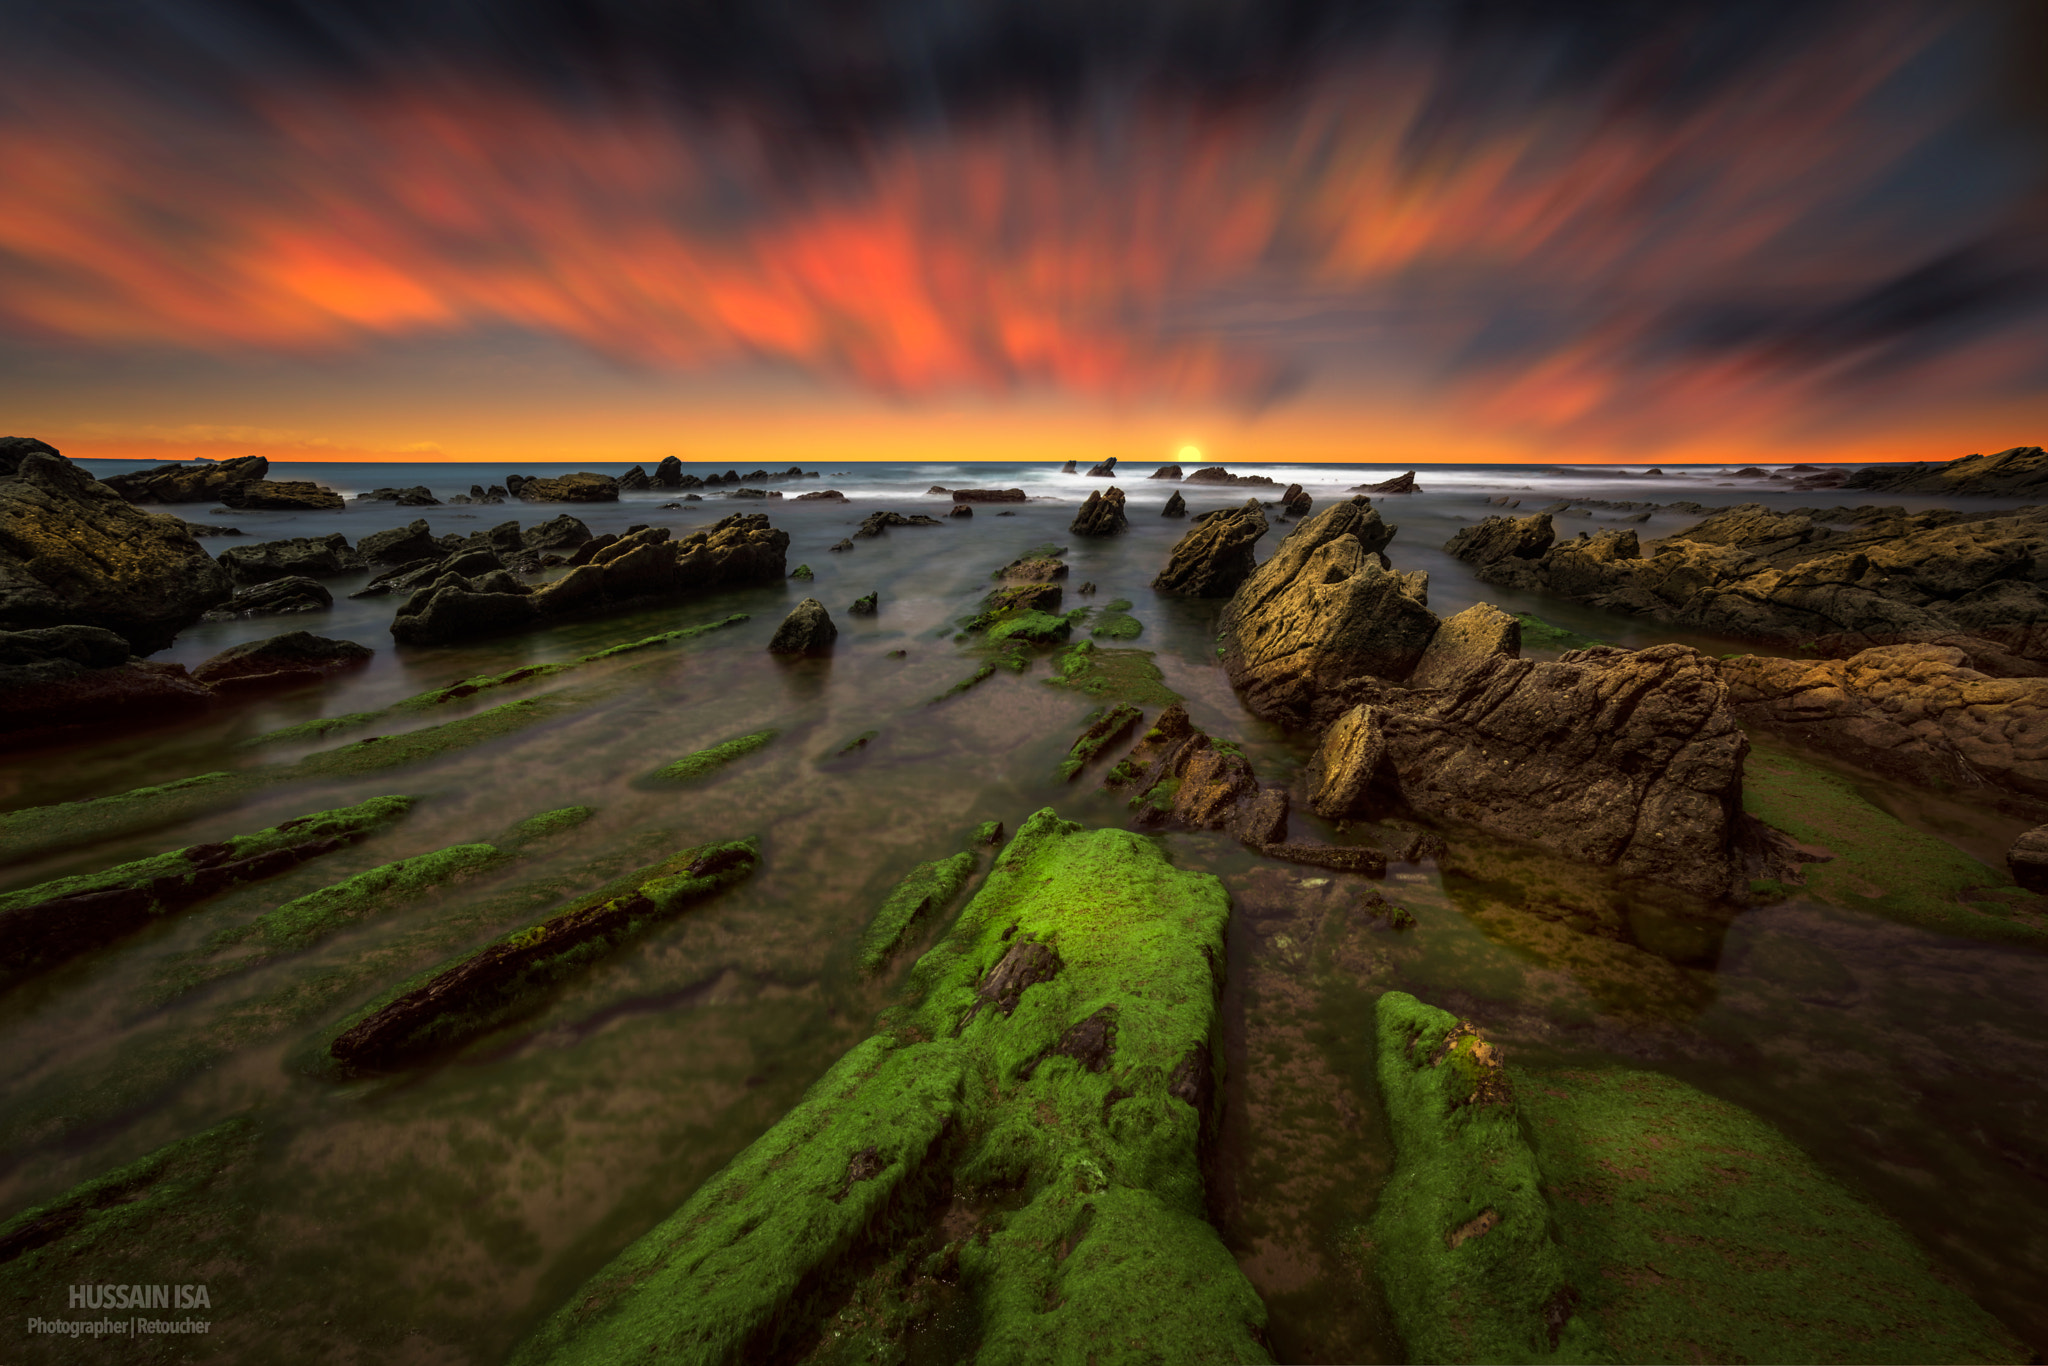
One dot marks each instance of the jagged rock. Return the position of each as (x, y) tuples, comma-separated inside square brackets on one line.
[(937, 488), (294, 657), (1101, 515), (808, 630), (82, 675), (275, 597), (961, 510), (582, 487), (556, 533), (867, 606), (821, 496), (841, 544), (1216, 556), (1165, 472), (417, 496), (1750, 573), (989, 495), (1400, 483), (1465, 641), (1324, 617), (1628, 759), (455, 608), (289, 495), (1105, 470), (1176, 506), (1216, 474), (312, 557), (588, 551), (202, 530), (196, 482), (2018, 470), (669, 473), (73, 552), (1033, 569), (635, 480), (1068, 468), (1914, 712), (754, 493), (1295, 503), (400, 545), (875, 523), (2027, 860)]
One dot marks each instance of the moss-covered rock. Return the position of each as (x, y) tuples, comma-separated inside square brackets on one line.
[(37, 830), (1615, 1215), (1538, 634), (695, 767), (927, 890), (1105, 728), (1126, 675), (1880, 864), (458, 1001), (1040, 628), (1049, 1087), (43, 925)]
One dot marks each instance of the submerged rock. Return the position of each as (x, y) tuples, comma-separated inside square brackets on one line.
[(875, 523), (1033, 569), (821, 496), (1104, 729), (1101, 1028), (74, 553), (1215, 557), (808, 630), (867, 606), (63, 676), (294, 657), (1101, 515), (277, 597)]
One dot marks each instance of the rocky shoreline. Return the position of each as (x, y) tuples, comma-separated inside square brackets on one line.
[(1026, 1142)]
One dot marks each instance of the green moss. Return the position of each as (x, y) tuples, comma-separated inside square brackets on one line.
[(694, 767), (457, 1001), (980, 675), (38, 830), (1117, 605), (856, 744), (1104, 729), (928, 889), (1040, 628), (1116, 626), (43, 925), (1127, 675), (1881, 864), (95, 1231), (1624, 1216), (313, 917), (1078, 1230), (988, 832), (534, 829), (1538, 634), (802, 571)]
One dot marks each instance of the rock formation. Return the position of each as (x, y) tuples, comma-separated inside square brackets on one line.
[(272, 495), (635, 479), (1165, 472), (1919, 713), (294, 657), (1627, 759), (1216, 474), (961, 510), (669, 473), (988, 495), (1176, 506), (1890, 578), (1101, 515), (312, 557), (583, 487), (2022, 470), (82, 675), (808, 630), (875, 523), (867, 606), (1216, 555), (274, 597), (1105, 470), (195, 482), (1400, 483), (418, 496), (2027, 860), (73, 552), (1295, 503), (400, 545), (821, 496)]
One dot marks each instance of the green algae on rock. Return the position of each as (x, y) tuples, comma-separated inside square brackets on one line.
[(1615, 1215), (38, 830), (1538, 634), (451, 1005), (693, 767), (101, 1224), (1880, 864), (1116, 623), (304, 920), (1105, 728), (1040, 628), (1127, 675), (52, 921), (926, 890), (1016, 1151)]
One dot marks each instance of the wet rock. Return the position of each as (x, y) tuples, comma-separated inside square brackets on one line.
[(1216, 474), (294, 657), (1296, 503), (669, 473), (802, 571), (2027, 860), (400, 545), (556, 533), (1919, 713), (2020, 470), (1400, 483), (276, 597), (196, 482), (1165, 472), (1103, 730), (990, 495), (419, 495), (1324, 617), (1503, 538), (202, 530), (63, 676), (1033, 569), (867, 606), (1463, 642), (842, 544), (875, 523), (1628, 759), (1215, 557), (961, 510), (290, 495), (1176, 506), (312, 557), (806, 631), (1105, 470), (635, 480), (937, 488), (455, 608), (74, 552), (582, 487), (1185, 780), (821, 496), (1101, 515)]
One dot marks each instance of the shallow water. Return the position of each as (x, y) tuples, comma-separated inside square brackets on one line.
[(437, 1216)]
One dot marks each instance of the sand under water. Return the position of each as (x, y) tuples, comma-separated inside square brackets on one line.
[(438, 1214)]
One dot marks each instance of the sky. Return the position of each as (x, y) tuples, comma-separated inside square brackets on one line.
[(1372, 231)]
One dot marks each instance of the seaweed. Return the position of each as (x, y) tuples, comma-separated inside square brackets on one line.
[(1128, 675)]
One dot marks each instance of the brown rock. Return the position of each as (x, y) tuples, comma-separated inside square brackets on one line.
[(290, 495), (582, 487), (988, 495), (294, 657), (65, 676), (1102, 514), (1215, 557), (1400, 483), (1463, 642), (2028, 860), (196, 482), (1165, 472), (807, 630)]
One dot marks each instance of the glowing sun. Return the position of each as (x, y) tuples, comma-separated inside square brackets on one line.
[(1190, 453)]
